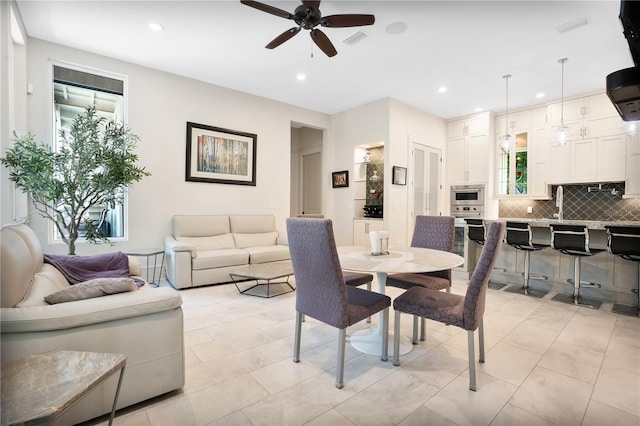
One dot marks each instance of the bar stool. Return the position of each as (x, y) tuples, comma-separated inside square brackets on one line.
[(624, 241), (519, 236), (573, 240), (476, 232)]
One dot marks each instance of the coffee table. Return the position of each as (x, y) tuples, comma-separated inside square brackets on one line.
[(266, 272), (39, 388)]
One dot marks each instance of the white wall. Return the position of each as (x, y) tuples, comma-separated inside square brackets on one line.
[(159, 105)]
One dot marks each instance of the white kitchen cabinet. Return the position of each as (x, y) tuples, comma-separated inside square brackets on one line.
[(632, 184), (584, 160), (559, 163), (587, 117), (469, 151), (611, 158), (519, 122), (539, 163), (588, 160), (361, 229)]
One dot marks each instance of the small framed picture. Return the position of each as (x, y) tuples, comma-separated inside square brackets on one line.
[(340, 179), (399, 175)]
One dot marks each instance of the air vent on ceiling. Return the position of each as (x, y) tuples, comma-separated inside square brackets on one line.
[(354, 38), (572, 25)]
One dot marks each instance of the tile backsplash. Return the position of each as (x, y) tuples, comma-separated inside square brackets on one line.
[(579, 204)]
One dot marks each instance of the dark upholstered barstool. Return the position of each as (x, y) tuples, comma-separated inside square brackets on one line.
[(624, 241), (519, 236), (476, 232), (573, 240)]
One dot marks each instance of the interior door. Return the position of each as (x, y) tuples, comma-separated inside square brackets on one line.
[(311, 195), (425, 183)]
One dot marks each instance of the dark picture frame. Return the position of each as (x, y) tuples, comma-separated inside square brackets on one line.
[(217, 155), (340, 179), (399, 175)]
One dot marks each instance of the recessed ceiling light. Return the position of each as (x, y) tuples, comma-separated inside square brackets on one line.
[(442, 89), (301, 77), (154, 26), (478, 109), (539, 95), (396, 27)]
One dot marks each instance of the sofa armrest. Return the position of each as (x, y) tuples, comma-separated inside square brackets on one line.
[(173, 245), (135, 269), (79, 313), (282, 240)]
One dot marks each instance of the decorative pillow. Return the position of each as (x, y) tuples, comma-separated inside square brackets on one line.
[(92, 288)]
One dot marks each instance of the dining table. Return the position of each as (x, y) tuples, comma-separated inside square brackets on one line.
[(398, 260)]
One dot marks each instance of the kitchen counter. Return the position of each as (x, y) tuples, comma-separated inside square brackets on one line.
[(590, 224)]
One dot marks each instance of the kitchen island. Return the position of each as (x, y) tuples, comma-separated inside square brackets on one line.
[(550, 269)]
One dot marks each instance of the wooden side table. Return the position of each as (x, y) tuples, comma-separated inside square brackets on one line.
[(39, 388), (148, 253)]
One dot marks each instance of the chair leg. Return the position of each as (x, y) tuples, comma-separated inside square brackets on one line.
[(342, 337), (369, 288), (414, 339), (396, 339), (423, 329), (296, 338), (472, 363), (385, 335), (481, 341)]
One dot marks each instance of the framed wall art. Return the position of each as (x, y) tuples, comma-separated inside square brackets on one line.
[(340, 179), (399, 175), (217, 155)]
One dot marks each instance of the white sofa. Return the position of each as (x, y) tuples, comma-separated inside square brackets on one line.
[(203, 249), (146, 325)]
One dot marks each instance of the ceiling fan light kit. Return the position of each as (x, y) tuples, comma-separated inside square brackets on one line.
[(308, 16)]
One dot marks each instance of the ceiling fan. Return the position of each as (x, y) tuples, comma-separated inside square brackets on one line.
[(308, 16)]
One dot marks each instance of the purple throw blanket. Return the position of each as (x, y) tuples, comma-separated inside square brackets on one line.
[(77, 269)]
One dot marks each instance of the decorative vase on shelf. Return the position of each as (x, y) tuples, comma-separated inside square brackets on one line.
[(367, 157)]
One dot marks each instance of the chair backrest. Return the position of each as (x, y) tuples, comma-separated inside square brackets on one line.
[(320, 289), (435, 232), (477, 288), (624, 241), (570, 239), (475, 230), (519, 234)]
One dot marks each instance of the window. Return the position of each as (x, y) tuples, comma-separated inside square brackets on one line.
[(75, 89), (512, 168)]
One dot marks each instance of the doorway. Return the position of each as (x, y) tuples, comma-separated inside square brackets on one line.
[(306, 171), (425, 191)]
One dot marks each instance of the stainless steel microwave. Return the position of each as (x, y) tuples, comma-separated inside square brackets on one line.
[(467, 195)]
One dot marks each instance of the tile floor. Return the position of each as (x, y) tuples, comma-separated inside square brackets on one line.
[(546, 364)]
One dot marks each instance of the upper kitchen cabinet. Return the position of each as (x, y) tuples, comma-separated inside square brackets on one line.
[(632, 186), (588, 117), (469, 150)]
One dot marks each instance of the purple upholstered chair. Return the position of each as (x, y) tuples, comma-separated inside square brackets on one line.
[(321, 292), (432, 232), (452, 309)]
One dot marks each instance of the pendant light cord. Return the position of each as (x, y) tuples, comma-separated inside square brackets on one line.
[(562, 61)]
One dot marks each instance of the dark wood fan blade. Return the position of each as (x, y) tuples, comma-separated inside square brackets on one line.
[(350, 20), (323, 42), (283, 37), (266, 8), (311, 4)]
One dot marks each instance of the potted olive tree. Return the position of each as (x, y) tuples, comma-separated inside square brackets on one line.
[(93, 166)]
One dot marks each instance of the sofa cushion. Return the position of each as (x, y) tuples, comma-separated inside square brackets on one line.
[(252, 224), (93, 288), (268, 254), (220, 258), (218, 242), (200, 225), (255, 240), (21, 258), (47, 281)]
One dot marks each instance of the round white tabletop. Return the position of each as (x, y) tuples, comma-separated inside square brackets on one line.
[(399, 260)]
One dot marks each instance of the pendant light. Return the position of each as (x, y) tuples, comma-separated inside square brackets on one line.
[(507, 141), (562, 135)]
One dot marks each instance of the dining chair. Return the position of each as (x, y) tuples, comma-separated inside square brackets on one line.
[(432, 232), (465, 312), (321, 292)]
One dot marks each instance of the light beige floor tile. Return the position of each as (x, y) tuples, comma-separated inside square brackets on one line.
[(532, 337), (387, 402), (629, 322), (230, 345), (330, 418), (511, 415), (599, 414), (138, 418), (363, 371), (190, 359), (234, 419), (501, 322), (460, 341), (299, 404), (437, 367), (423, 416), (618, 388), (465, 407), (626, 335), (509, 362), (196, 337), (553, 316), (592, 336), (573, 361), (623, 355), (553, 396), (281, 375)]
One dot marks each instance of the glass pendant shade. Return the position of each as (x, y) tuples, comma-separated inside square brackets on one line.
[(562, 134), (507, 142)]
